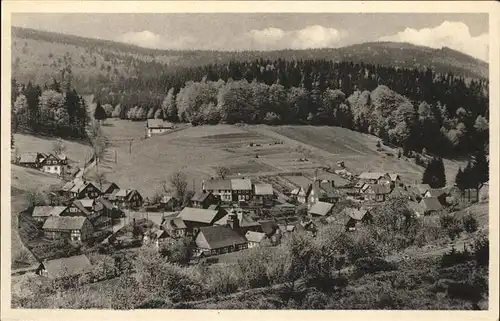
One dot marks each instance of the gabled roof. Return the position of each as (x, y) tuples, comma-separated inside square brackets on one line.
[(200, 196), (263, 189), (422, 188), (394, 176), (217, 184), (51, 156), (106, 203), (241, 184), (78, 204), (214, 237), (371, 175), (321, 208), (87, 202), (379, 189), (46, 211), (68, 266), (64, 223), (174, 223), (256, 237), (106, 186), (431, 204), (166, 198), (436, 192), (244, 220), (28, 157), (354, 213), (323, 189), (198, 215), (158, 123)]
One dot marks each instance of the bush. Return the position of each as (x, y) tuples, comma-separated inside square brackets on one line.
[(455, 257), (481, 249), (314, 300), (372, 265), (470, 223), (451, 225)]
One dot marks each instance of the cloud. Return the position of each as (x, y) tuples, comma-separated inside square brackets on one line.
[(144, 38), (309, 37), (454, 35)]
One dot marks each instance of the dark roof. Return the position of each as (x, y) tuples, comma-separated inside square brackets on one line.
[(436, 192), (321, 208), (431, 204), (244, 219), (67, 266), (200, 196), (422, 188), (214, 237), (106, 186), (80, 206), (46, 211), (198, 215), (217, 184), (269, 227), (64, 223)]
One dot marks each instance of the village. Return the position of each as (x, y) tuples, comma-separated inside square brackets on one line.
[(227, 214)]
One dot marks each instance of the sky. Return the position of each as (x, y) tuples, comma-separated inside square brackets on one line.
[(464, 32)]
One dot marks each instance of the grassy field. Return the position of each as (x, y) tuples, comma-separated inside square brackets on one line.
[(250, 150)]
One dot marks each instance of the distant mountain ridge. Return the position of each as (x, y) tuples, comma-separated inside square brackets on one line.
[(41, 55)]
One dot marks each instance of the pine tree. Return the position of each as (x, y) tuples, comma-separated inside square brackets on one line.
[(459, 179), (99, 113), (440, 178), (481, 167)]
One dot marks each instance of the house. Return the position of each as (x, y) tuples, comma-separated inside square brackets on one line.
[(52, 164), (65, 267), (263, 194), (323, 191), (78, 209), (375, 178), (198, 217), (430, 205), (157, 126), (255, 239), (320, 209), (395, 180), (109, 188), (168, 203), (299, 194), (175, 227), (241, 189), (423, 188), (220, 188), (74, 228), (439, 193), (41, 213), (31, 159), (79, 188), (245, 221), (109, 209), (354, 216), (272, 231), (376, 192), (126, 198), (203, 199), (214, 240)]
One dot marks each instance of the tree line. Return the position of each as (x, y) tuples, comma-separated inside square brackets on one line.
[(56, 109)]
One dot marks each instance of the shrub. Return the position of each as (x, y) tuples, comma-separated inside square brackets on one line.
[(372, 265), (314, 300), (481, 249), (452, 226), (470, 223)]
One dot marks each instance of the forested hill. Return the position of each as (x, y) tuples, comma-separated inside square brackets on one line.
[(39, 56)]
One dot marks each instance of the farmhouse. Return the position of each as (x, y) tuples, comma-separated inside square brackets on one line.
[(31, 159), (109, 188), (263, 194), (430, 205), (395, 180), (220, 188), (354, 216), (320, 209), (241, 189), (52, 164), (41, 213), (80, 189), (168, 203), (242, 221), (65, 267), (375, 178), (157, 126), (175, 227), (214, 240), (78, 209), (199, 217), (126, 198), (377, 192), (109, 209), (73, 228), (323, 191), (203, 199), (438, 193), (255, 238)]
